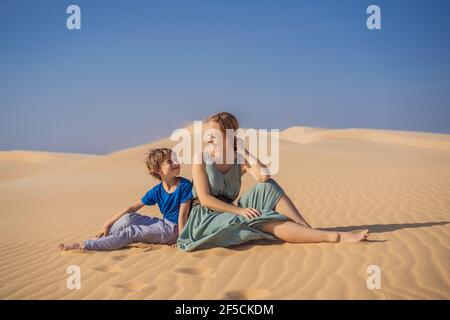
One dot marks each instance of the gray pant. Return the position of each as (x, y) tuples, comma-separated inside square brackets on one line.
[(132, 228)]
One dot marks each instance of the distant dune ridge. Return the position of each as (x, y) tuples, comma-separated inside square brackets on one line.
[(395, 183), (411, 139), (18, 164)]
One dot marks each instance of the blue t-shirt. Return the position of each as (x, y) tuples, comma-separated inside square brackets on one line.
[(169, 203)]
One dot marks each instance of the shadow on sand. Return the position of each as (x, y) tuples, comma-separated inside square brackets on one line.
[(373, 228), (381, 228)]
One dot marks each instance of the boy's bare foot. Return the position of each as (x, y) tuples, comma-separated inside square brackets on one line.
[(69, 246), (353, 236)]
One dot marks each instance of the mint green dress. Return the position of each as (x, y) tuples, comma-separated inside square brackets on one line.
[(206, 228)]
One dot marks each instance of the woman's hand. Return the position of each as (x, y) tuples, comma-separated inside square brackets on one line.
[(103, 232), (249, 213), (255, 167)]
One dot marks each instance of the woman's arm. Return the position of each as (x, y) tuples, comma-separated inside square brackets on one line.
[(201, 184), (183, 215), (108, 224), (255, 167)]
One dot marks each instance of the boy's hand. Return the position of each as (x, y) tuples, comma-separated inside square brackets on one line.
[(103, 232), (173, 245)]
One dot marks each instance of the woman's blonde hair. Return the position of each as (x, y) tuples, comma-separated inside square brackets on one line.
[(226, 121)]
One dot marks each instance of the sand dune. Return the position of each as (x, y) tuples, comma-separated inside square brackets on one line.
[(395, 183), (18, 164), (412, 139)]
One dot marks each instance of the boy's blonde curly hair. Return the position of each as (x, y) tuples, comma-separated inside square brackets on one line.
[(155, 158)]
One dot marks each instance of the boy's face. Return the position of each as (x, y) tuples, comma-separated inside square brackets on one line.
[(169, 168)]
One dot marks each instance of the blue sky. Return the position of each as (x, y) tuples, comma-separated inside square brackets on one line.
[(139, 69)]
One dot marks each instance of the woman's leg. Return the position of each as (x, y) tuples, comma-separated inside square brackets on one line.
[(286, 207), (295, 233), (269, 195)]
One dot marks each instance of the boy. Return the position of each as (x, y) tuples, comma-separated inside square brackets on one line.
[(173, 196)]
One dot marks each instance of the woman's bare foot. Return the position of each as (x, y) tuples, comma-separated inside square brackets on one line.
[(353, 236), (69, 246)]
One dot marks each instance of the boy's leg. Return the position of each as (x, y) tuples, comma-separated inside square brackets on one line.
[(162, 231), (118, 240), (158, 231), (129, 219)]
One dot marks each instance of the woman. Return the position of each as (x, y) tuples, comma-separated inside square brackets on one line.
[(264, 212)]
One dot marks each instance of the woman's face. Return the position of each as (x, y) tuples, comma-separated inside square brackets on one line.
[(215, 135)]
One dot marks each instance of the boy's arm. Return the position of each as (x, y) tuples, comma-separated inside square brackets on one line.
[(183, 215), (108, 224)]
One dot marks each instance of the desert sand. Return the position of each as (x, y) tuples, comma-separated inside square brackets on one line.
[(396, 184)]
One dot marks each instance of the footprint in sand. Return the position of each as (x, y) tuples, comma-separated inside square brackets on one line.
[(111, 269), (246, 294), (131, 251), (119, 258), (196, 272), (135, 286)]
